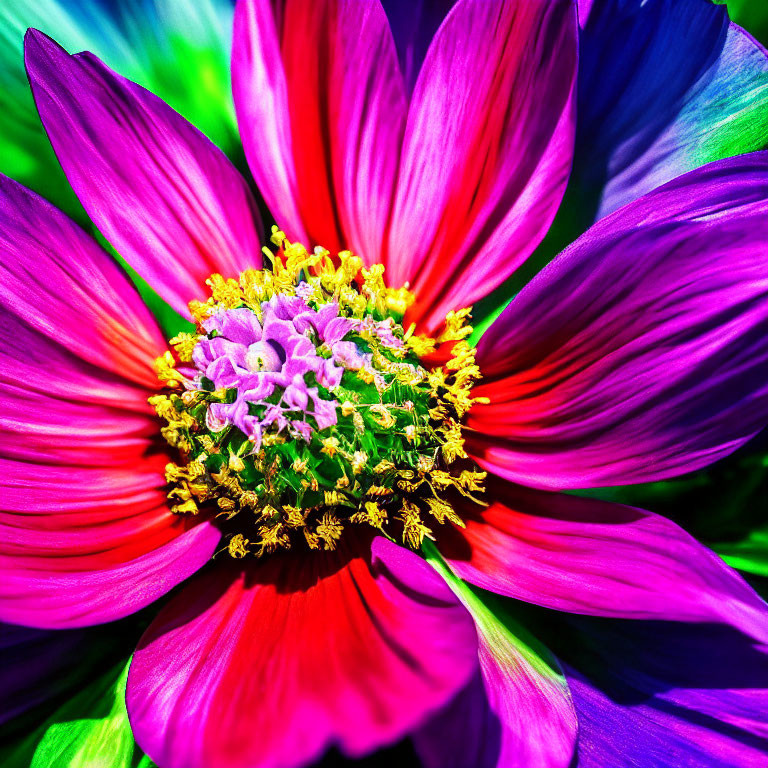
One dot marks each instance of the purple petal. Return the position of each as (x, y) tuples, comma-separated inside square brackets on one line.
[(593, 557), (351, 650), (656, 694), (239, 325), (664, 87), (414, 24), (162, 194), (641, 352)]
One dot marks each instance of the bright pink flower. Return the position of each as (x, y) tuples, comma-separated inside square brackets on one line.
[(639, 353)]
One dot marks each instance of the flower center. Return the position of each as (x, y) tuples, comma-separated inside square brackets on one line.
[(301, 406)]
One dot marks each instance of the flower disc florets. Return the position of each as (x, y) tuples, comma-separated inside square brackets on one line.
[(301, 406)]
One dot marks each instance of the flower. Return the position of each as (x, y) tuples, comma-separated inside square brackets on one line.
[(638, 353)]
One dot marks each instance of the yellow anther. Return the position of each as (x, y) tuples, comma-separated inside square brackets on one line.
[(200, 310), (398, 300), (421, 345), (471, 480), (268, 512), (166, 370), (329, 530), (330, 446), (189, 507), (184, 344), (278, 236), (226, 504), (225, 291), (442, 511), (380, 490), (174, 473), (294, 517), (365, 375), (249, 499), (359, 461), (238, 546), (235, 463), (414, 530), (425, 463), (272, 537), (372, 514), (383, 416), (456, 327)]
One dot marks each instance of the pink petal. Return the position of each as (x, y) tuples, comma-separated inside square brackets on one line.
[(585, 8), (322, 119), (487, 150), (165, 197), (49, 598), (642, 350), (78, 344), (86, 535), (329, 649), (85, 532), (593, 557), (37, 427), (64, 286), (60, 518), (515, 713)]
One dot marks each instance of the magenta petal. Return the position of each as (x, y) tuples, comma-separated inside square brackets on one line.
[(321, 120), (165, 197), (64, 286), (515, 713), (487, 150), (44, 597), (79, 520), (352, 651), (593, 557), (641, 352), (77, 342)]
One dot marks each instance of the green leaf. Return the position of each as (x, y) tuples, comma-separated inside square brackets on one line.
[(749, 554), (91, 730), (750, 14)]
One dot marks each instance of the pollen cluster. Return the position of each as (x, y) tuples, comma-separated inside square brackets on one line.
[(301, 406)]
